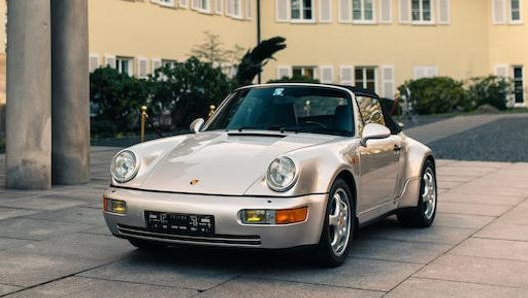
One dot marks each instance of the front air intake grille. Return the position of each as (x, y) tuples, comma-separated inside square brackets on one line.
[(219, 240)]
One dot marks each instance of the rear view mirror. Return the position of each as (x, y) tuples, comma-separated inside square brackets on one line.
[(374, 131), (196, 125)]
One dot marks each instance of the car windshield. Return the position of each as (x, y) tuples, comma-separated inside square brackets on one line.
[(310, 109)]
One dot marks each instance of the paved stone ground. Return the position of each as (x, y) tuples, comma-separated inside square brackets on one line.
[(55, 244)]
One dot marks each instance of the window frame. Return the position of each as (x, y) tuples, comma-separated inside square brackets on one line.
[(303, 69), (519, 10), (198, 5), (362, 11), (421, 13), (119, 60), (231, 11), (364, 77), (520, 80), (302, 9)]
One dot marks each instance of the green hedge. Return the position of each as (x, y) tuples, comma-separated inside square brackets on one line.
[(440, 95)]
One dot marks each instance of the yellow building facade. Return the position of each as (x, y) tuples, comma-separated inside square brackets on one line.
[(377, 44)]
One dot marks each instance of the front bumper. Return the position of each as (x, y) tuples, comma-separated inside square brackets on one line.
[(229, 230)]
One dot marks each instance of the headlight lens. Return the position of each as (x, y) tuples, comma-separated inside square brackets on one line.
[(282, 173), (124, 166)]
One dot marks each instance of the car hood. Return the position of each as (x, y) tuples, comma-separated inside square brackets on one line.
[(222, 163)]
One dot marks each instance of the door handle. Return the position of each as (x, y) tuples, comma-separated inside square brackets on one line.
[(397, 148)]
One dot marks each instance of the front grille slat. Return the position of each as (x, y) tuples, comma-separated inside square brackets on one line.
[(229, 240)]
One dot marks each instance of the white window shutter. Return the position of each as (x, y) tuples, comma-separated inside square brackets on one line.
[(327, 74), (283, 10), (499, 11), (419, 72), (432, 71), (501, 70), (385, 11), (195, 4), (183, 3), (405, 11), (345, 11), (110, 60), (219, 7), (142, 67), (156, 63), (387, 81), (249, 9), (325, 11), (93, 62), (284, 71), (443, 12), (346, 74)]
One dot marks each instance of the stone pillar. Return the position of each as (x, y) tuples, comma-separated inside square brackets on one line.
[(28, 116), (70, 92)]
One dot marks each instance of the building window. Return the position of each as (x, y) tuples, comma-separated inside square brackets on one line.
[(362, 10), (515, 10), (124, 65), (518, 84), (365, 77), (166, 2), (202, 5), (421, 11), (304, 71), (301, 10), (168, 63), (425, 72), (234, 8)]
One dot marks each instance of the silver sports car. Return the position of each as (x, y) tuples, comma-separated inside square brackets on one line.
[(277, 166)]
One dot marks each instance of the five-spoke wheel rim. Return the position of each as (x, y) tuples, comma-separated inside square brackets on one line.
[(429, 193), (339, 221)]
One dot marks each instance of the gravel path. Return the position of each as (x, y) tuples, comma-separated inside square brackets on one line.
[(501, 140)]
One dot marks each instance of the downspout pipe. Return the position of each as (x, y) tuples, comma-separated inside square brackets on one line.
[(258, 34)]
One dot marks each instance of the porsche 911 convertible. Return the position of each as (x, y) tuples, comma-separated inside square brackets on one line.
[(277, 166)]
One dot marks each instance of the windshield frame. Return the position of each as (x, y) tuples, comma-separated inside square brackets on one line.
[(227, 105)]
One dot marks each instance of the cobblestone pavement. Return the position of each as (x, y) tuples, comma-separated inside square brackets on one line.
[(479, 138), (55, 244)]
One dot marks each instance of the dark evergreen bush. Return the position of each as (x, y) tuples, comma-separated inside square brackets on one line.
[(490, 90), (437, 95)]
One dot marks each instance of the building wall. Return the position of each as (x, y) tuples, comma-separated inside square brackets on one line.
[(458, 49), (152, 31), (477, 38), (508, 44)]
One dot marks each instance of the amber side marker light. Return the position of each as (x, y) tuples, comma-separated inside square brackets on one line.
[(291, 215), (114, 206)]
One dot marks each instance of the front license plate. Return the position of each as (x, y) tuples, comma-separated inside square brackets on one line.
[(181, 224)]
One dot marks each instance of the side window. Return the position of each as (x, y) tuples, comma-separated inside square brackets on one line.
[(370, 110)]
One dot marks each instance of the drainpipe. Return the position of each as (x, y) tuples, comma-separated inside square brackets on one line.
[(258, 33)]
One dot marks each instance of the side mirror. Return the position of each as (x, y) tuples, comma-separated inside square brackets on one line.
[(196, 125), (374, 131)]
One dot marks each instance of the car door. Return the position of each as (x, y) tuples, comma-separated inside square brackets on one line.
[(379, 163)]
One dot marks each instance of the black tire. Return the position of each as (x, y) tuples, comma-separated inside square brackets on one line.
[(424, 213), (334, 246), (146, 245)]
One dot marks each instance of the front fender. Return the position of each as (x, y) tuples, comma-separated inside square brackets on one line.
[(415, 157)]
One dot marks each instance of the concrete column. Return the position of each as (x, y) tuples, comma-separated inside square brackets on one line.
[(70, 92), (28, 117)]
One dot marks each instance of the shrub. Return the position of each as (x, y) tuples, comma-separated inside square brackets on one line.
[(490, 90), (186, 90), (437, 95), (115, 101)]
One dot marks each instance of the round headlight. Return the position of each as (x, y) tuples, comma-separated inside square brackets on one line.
[(124, 166), (282, 173)]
